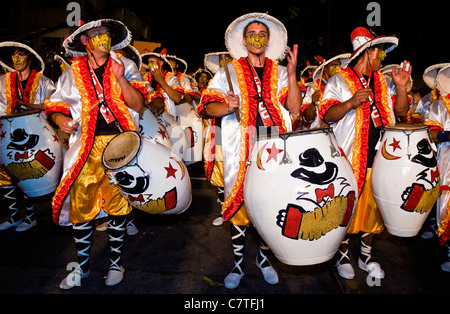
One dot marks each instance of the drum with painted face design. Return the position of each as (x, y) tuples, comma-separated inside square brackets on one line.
[(30, 152), (150, 176), (405, 178), (300, 193)]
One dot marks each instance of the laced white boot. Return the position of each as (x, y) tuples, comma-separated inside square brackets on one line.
[(269, 273), (233, 279)]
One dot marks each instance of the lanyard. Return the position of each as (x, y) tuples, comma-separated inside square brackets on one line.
[(262, 109)]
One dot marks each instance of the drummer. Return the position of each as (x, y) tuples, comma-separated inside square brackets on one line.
[(179, 67), (23, 88), (357, 103), (99, 96), (438, 120), (255, 41)]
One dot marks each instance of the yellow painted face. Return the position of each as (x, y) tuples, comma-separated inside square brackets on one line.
[(19, 61), (101, 40), (381, 55), (334, 70), (256, 40)]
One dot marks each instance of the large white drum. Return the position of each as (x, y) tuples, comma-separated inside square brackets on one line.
[(30, 152), (149, 175), (150, 126), (300, 193), (192, 125), (405, 178)]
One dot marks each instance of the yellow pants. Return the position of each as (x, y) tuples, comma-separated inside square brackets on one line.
[(366, 217), (91, 191)]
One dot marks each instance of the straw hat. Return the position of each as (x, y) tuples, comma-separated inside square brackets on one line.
[(342, 57), (387, 70), (276, 50), (120, 36), (212, 60), (7, 49), (430, 74), (133, 54), (159, 53), (182, 65), (362, 39), (443, 80)]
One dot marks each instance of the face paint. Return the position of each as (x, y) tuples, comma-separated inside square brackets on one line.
[(381, 55), (334, 70), (256, 40), (101, 40), (153, 65), (18, 61)]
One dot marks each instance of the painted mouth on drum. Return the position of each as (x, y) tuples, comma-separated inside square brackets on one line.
[(296, 223)]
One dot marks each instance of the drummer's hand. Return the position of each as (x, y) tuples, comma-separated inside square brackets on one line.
[(65, 124), (157, 74), (118, 69), (359, 97), (233, 102), (21, 103), (292, 60), (400, 77)]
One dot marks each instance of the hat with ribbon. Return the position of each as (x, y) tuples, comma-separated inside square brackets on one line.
[(160, 53), (182, 65), (120, 36), (443, 81), (213, 60), (362, 39), (276, 49), (343, 61), (430, 74), (7, 49)]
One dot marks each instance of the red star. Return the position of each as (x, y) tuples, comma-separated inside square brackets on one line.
[(55, 138), (273, 152), (170, 171), (2, 135), (395, 144), (163, 133)]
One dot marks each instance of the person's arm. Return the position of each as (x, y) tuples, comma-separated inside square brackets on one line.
[(133, 97), (294, 95), (400, 79), (217, 109), (339, 110)]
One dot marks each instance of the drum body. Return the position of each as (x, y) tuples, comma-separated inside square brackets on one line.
[(300, 193), (148, 174), (192, 125), (31, 152), (150, 126), (177, 136), (405, 178)]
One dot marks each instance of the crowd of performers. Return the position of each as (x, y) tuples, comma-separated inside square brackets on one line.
[(106, 84)]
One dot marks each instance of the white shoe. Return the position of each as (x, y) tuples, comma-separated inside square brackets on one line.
[(345, 270), (6, 225), (372, 268), (131, 229), (73, 280), (114, 276), (232, 280), (24, 226), (446, 266), (218, 221), (270, 274)]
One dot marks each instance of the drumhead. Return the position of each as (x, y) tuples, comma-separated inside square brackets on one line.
[(19, 114), (405, 127), (295, 133), (121, 150)]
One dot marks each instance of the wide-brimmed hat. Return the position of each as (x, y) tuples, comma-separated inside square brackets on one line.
[(120, 36), (133, 54), (7, 49), (387, 70), (443, 81), (159, 53), (182, 65), (212, 60), (430, 74), (343, 59), (276, 50), (362, 39)]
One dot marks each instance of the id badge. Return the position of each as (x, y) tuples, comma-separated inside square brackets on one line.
[(107, 114)]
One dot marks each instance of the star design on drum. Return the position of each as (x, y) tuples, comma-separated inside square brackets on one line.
[(395, 144), (170, 171), (55, 138), (273, 152), (2, 135), (163, 133)]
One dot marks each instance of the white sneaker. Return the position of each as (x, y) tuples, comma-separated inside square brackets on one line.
[(24, 226), (114, 276), (6, 225), (232, 280)]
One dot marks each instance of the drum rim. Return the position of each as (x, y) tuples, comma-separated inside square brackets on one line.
[(21, 114), (396, 127), (128, 163), (294, 133)]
